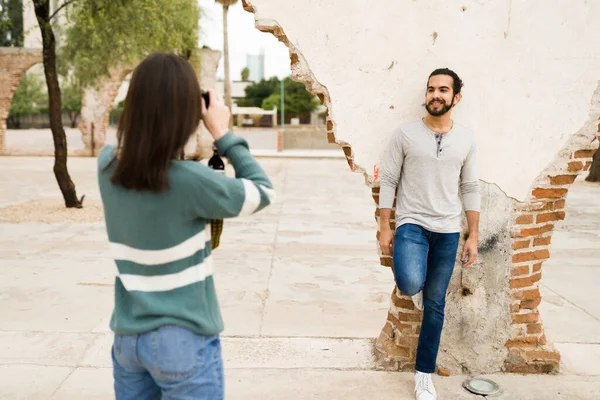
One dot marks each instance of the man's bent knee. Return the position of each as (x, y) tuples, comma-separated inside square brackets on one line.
[(409, 286)]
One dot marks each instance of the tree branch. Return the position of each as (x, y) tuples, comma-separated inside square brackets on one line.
[(63, 5)]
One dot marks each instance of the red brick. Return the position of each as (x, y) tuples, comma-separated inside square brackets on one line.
[(403, 302), (515, 308), (543, 193), (530, 304), (407, 341), (542, 355), (521, 244), (575, 166), (521, 270), (522, 341), (537, 231), (388, 330), (562, 179), (559, 205), (587, 166), (584, 154), (524, 220), (390, 349), (347, 151), (409, 317), (531, 294), (553, 216), (517, 283), (537, 267), (543, 241), (385, 261), (329, 125), (531, 256), (330, 137), (405, 329), (525, 318), (543, 340), (534, 328)]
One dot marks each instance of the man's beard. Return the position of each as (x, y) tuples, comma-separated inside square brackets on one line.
[(438, 113)]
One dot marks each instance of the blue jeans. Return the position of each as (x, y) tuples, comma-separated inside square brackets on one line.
[(170, 363), (424, 260)]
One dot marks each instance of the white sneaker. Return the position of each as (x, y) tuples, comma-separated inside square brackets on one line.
[(418, 300), (424, 389)]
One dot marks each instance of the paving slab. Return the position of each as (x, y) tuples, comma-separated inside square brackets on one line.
[(31, 382)]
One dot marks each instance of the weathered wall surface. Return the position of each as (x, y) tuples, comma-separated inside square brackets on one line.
[(14, 62), (531, 73), (530, 69), (208, 63)]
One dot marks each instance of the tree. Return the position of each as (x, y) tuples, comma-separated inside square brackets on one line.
[(105, 33), (297, 100), (101, 34), (594, 175), (29, 98), (257, 92), (226, 4), (66, 185), (245, 74), (11, 23)]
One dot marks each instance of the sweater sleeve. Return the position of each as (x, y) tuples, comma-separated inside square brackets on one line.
[(390, 170), (216, 196), (469, 181)]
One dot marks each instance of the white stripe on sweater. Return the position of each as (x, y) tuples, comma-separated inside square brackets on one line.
[(161, 283), (269, 192), (251, 198), (183, 250)]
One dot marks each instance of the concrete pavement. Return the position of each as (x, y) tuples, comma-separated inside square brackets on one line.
[(300, 287)]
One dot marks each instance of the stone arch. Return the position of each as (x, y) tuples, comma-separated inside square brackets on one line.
[(97, 103), (515, 338), (14, 62)]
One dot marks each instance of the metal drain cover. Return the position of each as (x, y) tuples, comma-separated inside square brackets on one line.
[(481, 386)]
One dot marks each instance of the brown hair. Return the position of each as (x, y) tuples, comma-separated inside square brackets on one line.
[(162, 110)]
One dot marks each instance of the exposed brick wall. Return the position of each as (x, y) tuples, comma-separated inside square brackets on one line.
[(528, 348), (529, 351), (97, 103), (14, 62)]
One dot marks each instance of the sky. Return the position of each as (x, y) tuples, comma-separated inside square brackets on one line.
[(244, 39)]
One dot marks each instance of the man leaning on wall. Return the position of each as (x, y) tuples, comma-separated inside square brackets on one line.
[(430, 165)]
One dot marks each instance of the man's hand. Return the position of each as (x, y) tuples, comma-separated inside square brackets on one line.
[(386, 241), (470, 250)]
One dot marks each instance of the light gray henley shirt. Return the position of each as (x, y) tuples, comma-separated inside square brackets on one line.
[(430, 173)]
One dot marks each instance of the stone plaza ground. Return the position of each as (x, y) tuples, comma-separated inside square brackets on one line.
[(300, 285)]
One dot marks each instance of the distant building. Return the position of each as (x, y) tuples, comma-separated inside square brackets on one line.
[(256, 65), (237, 89)]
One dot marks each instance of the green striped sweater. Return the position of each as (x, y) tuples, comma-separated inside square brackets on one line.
[(161, 241)]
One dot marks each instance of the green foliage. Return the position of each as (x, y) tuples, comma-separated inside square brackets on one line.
[(257, 92), (11, 23), (31, 97), (245, 74), (297, 99), (105, 33), (72, 94)]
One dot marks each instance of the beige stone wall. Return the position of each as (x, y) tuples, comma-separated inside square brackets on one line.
[(14, 62), (369, 64)]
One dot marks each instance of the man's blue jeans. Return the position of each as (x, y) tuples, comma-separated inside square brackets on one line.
[(170, 363), (424, 260)]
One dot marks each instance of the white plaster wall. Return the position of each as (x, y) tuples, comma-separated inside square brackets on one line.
[(530, 69)]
